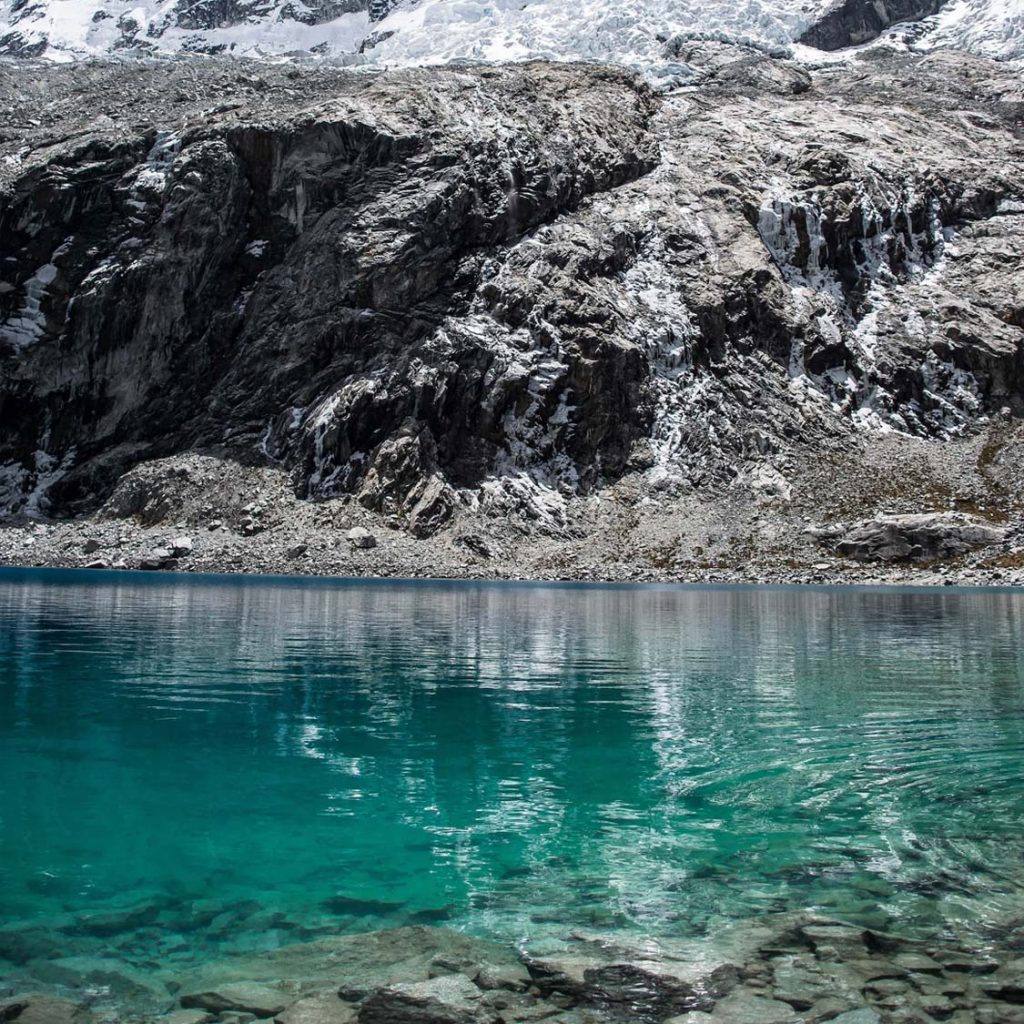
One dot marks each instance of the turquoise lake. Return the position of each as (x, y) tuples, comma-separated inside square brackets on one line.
[(521, 762)]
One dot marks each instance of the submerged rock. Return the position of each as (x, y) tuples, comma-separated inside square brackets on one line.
[(35, 1008), (245, 997), (325, 1008)]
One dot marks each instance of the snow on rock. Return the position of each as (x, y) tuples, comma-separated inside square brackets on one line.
[(632, 32)]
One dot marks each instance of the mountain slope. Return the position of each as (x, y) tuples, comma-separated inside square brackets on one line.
[(499, 294), (433, 31)]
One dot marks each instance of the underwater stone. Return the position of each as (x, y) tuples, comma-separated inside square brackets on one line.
[(247, 997)]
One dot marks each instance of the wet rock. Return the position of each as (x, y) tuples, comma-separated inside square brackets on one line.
[(91, 972), (1006, 983), (324, 1008), (917, 537), (744, 1007), (105, 923), (244, 997), (452, 999), (361, 539), (19, 945), (35, 1008), (862, 1016), (187, 1017)]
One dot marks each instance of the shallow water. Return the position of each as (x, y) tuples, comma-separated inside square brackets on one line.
[(518, 761)]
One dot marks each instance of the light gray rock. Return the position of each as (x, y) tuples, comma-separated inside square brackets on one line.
[(243, 996), (917, 537), (862, 1016), (35, 1008), (361, 539), (181, 546), (323, 1008), (452, 999), (187, 1017), (744, 1007)]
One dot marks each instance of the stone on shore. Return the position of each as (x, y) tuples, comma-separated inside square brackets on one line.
[(323, 1008), (34, 1008), (452, 999), (361, 538), (917, 537), (245, 997)]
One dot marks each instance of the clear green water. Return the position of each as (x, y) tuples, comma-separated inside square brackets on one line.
[(521, 762)]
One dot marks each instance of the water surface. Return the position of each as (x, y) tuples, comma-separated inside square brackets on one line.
[(519, 761)]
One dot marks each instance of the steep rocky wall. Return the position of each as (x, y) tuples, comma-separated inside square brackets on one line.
[(274, 284), (499, 288)]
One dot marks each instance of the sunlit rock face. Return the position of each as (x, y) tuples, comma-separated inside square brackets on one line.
[(502, 287)]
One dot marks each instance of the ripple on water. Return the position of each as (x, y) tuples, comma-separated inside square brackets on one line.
[(521, 762)]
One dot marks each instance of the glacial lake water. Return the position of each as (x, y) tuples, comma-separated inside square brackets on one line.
[(521, 762)]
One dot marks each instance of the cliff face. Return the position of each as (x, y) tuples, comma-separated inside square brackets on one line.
[(853, 22), (502, 287)]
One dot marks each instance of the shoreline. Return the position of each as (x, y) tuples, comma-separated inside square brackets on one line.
[(786, 968), (229, 576)]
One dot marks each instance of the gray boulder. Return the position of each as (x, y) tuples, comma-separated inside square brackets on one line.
[(923, 537), (452, 999), (244, 996)]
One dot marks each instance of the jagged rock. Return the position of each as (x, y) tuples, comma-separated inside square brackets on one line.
[(244, 997), (639, 990), (181, 546), (853, 22), (91, 545), (361, 539), (452, 999), (917, 537), (296, 550), (501, 290)]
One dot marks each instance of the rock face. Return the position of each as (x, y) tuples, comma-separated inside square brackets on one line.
[(917, 537), (854, 22), (500, 289)]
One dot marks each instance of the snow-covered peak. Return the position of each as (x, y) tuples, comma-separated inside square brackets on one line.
[(633, 32)]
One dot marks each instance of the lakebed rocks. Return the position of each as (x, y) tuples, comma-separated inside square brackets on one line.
[(782, 969), (530, 321)]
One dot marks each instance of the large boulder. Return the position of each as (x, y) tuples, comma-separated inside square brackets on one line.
[(917, 537)]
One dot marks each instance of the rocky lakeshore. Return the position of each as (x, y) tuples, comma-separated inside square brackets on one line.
[(905, 512), (786, 969)]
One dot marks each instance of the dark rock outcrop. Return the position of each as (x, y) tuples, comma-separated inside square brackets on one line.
[(853, 22), (499, 288)]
